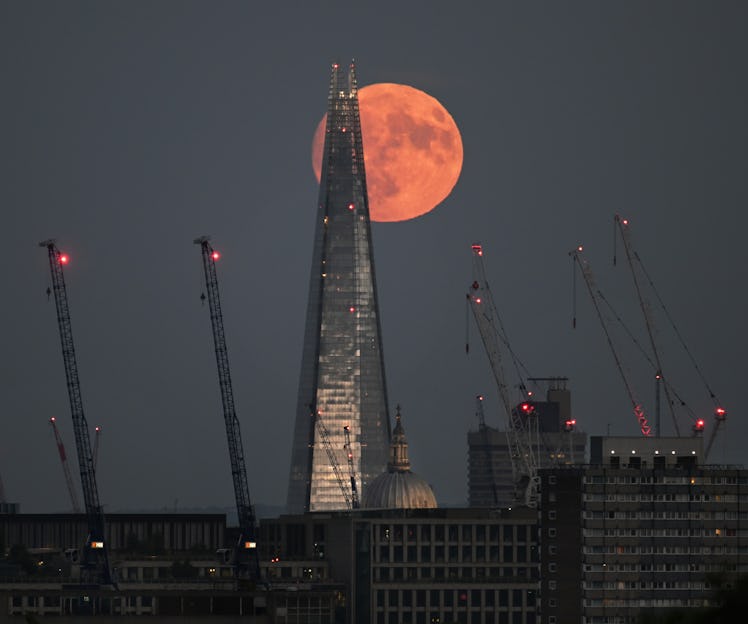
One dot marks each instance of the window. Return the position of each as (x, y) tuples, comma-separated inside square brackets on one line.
[(552, 479), (552, 515), (551, 532), (551, 619), (552, 585), (551, 550), (551, 567)]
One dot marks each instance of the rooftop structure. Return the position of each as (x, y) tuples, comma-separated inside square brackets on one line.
[(399, 488)]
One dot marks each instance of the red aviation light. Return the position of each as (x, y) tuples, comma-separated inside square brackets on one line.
[(477, 249), (477, 300), (53, 419), (527, 408), (720, 413), (570, 424), (699, 425), (351, 206), (352, 309), (64, 259), (215, 255)]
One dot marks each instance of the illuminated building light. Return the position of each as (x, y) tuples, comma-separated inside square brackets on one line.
[(97, 544), (672, 452), (657, 452), (633, 452), (250, 545), (612, 452)]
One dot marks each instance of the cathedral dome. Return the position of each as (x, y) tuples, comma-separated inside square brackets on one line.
[(398, 488)]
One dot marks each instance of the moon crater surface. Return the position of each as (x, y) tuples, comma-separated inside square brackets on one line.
[(412, 151)]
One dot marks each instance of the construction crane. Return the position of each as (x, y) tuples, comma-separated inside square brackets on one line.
[(95, 557), (65, 466), (355, 503), (246, 559), (324, 436), (521, 424), (596, 295), (622, 226)]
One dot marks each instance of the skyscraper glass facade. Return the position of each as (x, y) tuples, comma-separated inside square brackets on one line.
[(342, 374)]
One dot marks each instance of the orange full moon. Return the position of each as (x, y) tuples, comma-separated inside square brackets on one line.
[(412, 151)]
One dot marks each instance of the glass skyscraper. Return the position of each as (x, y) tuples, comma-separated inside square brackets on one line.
[(342, 380)]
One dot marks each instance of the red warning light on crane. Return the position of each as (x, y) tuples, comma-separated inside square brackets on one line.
[(215, 255), (351, 206), (478, 249), (699, 425), (64, 259), (720, 413), (527, 408)]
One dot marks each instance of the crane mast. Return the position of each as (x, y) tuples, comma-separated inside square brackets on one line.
[(245, 555), (631, 255), (589, 280), (324, 436), (65, 466), (355, 503), (95, 560), (519, 430)]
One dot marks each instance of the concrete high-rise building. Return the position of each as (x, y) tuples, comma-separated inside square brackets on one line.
[(342, 371), (490, 479), (644, 527)]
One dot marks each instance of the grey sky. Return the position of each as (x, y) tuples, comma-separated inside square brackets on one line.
[(129, 128)]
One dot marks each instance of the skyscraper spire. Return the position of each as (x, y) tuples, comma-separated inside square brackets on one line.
[(342, 371)]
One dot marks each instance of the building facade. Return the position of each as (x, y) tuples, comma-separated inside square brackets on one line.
[(642, 528), (474, 566), (342, 379)]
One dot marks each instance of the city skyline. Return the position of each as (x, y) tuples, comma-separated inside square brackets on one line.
[(128, 130)]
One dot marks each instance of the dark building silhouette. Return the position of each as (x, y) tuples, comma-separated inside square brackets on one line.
[(342, 372), (490, 481)]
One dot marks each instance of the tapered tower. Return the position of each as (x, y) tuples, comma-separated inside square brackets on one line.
[(342, 370)]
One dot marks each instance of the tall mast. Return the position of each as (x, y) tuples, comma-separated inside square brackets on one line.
[(95, 560), (245, 553)]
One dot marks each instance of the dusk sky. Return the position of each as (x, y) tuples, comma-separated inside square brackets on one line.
[(127, 129)]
